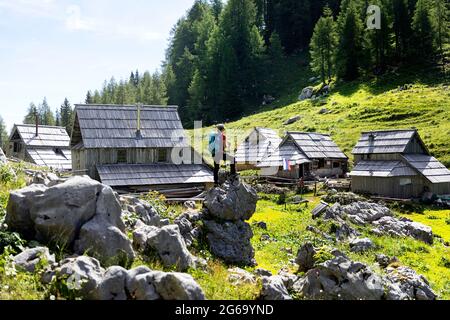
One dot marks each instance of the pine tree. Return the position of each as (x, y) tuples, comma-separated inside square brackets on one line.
[(89, 99), (47, 118), (349, 50), (66, 114), (32, 112), (57, 118), (441, 17), (323, 46), (377, 41), (402, 28), (423, 29), (217, 7)]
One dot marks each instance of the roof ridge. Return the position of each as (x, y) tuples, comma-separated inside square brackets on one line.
[(124, 106), (391, 130), (40, 126), (301, 132)]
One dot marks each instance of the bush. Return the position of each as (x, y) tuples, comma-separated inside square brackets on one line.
[(13, 240), (282, 199)]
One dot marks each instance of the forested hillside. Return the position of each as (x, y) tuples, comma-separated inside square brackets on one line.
[(222, 59)]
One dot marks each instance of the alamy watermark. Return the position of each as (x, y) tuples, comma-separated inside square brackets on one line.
[(373, 17)]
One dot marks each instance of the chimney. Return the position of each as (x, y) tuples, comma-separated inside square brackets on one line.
[(138, 124), (371, 137), (37, 124)]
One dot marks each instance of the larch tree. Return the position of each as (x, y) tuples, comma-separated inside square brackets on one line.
[(323, 46)]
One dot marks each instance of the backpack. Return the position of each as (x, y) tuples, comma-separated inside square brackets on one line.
[(212, 143)]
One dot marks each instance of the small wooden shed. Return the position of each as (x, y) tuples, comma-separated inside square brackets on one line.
[(308, 155), (397, 164), (46, 146), (258, 144), (138, 148)]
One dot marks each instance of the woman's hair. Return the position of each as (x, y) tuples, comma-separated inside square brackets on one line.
[(221, 127)]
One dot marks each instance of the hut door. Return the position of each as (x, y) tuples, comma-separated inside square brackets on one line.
[(301, 171)]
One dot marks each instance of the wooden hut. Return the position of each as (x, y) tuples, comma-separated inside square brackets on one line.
[(45, 146), (257, 145), (305, 155), (136, 148), (397, 164)]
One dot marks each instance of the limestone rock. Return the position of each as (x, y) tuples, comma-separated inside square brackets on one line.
[(29, 259), (305, 257), (361, 245), (167, 242), (231, 241), (273, 289), (234, 201)]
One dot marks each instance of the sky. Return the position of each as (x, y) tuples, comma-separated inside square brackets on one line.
[(63, 48)]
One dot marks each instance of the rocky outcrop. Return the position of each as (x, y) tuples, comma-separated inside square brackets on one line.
[(343, 198), (167, 242), (344, 279), (80, 214), (414, 286), (403, 228), (30, 259), (378, 216), (227, 233), (87, 279)]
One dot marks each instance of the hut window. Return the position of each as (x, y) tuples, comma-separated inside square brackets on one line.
[(162, 155), (121, 156), (17, 147), (336, 165), (405, 181), (321, 163)]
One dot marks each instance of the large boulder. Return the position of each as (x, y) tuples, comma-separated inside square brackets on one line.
[(167, 242), (340, 279), (104, 237), (30, 259), (234, 201), (134, 209), (60, 211), (273, 289), (231, 241), (18, 216), (79, 214), (358, 212)]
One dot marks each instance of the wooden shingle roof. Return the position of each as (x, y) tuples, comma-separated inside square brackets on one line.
[(376, 142), (429, 167), (48, 136), (259, 143), (154, 174), (382, 169), (115, 126), (316, 145), (288, 151)]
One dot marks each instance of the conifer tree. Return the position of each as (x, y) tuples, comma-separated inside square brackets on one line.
[(323, 46), (423, 29)]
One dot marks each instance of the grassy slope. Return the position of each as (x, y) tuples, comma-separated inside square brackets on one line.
[(288, 227), (367, 104)]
